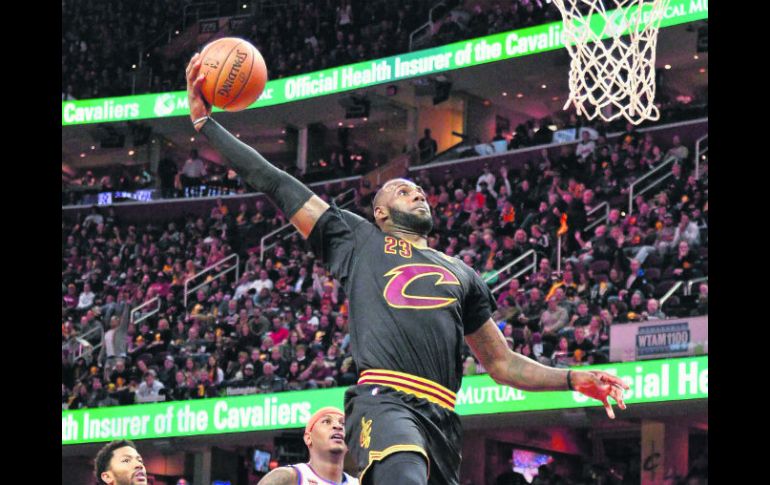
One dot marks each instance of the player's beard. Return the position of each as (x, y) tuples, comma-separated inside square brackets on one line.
[(418, 224)]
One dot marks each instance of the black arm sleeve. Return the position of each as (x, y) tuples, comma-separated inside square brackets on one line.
[(286, 191)]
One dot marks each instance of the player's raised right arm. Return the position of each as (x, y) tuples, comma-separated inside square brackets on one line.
[(301, 206)]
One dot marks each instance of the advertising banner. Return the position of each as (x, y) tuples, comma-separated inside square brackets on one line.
[(473, 52), (658, 339), (649, 381)]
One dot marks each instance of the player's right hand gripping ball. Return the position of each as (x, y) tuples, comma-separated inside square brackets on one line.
[(235, 73)]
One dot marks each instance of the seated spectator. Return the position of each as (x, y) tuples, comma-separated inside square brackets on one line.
[(270, 382), (636, 280), (653, 311), (318, 374), (664, 242), (246, 382), (280, 366), (149, 389), (581, 345), (167, 373), (687, 231), (678, 150), (581, 318), (553, 319), (683, 262), (180, 391), (585, 148), (86, 298), (293, 380), (214, 372), (636, 303), (99, 397), (279, 332), (561, 356), (598, 333), (70, 299)]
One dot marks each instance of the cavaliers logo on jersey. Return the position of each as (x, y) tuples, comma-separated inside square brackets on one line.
[(365, 439), (396, 291)]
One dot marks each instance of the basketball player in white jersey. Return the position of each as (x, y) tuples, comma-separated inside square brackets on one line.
[(325, 440)]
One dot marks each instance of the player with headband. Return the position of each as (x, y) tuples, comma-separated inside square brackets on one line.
[(325, 440)]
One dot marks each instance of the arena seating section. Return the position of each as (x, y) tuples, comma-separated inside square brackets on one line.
[(125, 263)]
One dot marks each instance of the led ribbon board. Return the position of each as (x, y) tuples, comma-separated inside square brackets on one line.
[(474, 52), (650, 381)]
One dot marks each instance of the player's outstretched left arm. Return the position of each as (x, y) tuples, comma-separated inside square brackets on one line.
[(512, 369), (280, 476), (301, 206)]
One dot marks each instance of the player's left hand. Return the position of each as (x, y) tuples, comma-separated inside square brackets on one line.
[(600, 385)]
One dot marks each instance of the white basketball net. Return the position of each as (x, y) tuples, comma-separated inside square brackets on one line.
[(613, 77)]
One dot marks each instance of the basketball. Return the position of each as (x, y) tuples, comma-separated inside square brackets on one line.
[(235, 73)]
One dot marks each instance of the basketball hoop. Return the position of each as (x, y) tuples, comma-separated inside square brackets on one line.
[(613, 77)]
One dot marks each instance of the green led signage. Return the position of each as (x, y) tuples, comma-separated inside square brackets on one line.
[(482, 50), (649, 381)]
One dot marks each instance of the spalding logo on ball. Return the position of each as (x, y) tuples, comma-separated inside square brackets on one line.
[(235, 73)]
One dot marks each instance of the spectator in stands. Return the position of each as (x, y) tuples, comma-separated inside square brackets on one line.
[(70, 299), (270, 382), (678, 151), (193, 171), (530, 316), (581, 318), (180, 391), (636, 280), (318, 374), (215, 373), (293, 380), (427, 146), (247, 379), (86, 298), (553, 319), (653, 311), (598, 333), (150, 388), (167, 372), (486, 176), (636, 303), (115, 343), (585, 148), (99, 397), (687, 231), (581, 345), (79, 397), (683, 262)]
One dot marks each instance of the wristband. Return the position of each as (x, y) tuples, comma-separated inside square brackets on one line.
[(202, 118), (569, 380)]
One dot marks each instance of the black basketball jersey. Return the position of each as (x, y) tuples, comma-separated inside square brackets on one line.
[(410, 307)]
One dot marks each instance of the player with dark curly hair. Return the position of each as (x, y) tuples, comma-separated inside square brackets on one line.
[(119, 463)]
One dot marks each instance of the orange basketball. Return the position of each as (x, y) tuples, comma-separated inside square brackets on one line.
[(235, 73)]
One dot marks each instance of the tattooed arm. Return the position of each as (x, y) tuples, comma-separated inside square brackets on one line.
[(515, 370), (280, 476)]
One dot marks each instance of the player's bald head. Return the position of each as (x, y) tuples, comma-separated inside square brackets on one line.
[(388, 189)]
